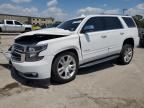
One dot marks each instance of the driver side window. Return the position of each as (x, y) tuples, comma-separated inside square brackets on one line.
[(92, 25), (17, 23)]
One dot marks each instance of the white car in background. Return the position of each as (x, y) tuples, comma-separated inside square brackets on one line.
[(14, 26)]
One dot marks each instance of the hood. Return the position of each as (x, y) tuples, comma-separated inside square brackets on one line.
[(47, 31), (41, 35)]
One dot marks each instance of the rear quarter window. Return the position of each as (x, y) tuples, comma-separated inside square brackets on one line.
[(129, 21)]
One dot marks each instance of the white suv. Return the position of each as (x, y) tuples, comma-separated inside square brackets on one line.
[(57, 53)]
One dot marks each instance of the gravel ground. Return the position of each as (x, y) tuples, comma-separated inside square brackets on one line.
[(106, 85)]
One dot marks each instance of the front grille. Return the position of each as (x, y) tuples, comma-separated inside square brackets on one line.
[(16, 56), (18, 52)]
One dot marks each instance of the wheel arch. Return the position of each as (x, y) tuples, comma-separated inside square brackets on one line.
[(28, 28), (72, 49), (129, 41)]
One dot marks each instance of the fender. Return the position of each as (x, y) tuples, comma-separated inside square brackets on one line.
[(68, 48)]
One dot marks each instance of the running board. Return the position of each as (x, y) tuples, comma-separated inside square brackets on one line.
[(98, 61)]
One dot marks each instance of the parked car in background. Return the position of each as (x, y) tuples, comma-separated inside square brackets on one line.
[(141, 35), (14, 26), (57, 53)]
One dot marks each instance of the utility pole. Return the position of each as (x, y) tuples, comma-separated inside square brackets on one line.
[(124, 10)]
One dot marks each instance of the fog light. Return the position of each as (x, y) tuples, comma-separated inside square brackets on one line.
[(33, 74)]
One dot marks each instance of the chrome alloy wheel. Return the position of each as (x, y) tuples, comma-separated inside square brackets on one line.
[(66, 67), (128, 55)]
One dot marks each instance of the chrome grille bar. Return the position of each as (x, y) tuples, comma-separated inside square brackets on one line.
[(18, 52)]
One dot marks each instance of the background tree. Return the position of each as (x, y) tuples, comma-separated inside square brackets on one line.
[(139, 19)]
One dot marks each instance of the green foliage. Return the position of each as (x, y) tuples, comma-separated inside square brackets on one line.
[(138, 17), (35, 27), (139, 21)]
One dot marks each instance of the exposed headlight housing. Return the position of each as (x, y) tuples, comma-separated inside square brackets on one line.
[(32, 52)]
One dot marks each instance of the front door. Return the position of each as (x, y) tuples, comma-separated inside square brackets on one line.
[(18, 26), (93, 39)]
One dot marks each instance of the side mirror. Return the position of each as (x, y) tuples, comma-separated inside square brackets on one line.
[(88, 28)]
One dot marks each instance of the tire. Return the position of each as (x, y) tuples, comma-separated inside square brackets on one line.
[(141, 43), (61, 70), (0, 30), (126, 54)]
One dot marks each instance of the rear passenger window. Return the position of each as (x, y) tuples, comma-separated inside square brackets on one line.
[(9, 22), (130, 23), (112, 23)]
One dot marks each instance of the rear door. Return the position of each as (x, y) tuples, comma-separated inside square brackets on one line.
[(115, 33), (10, 26)]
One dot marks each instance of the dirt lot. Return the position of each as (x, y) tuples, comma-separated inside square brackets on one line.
[(107, 85)]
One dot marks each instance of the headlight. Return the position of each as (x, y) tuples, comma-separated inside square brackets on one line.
[(32, 52), (39, 48)]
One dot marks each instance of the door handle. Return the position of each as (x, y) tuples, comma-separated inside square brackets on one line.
[(104, 36), (121, 33)]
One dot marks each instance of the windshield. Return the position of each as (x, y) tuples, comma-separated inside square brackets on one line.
[(71, 25), (2, 22)]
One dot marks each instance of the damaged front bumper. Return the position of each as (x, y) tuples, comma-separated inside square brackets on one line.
[(18, 76)]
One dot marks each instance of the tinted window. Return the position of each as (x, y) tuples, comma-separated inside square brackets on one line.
[(129, 22), (71, 24), (93, 24), (9, 22), (112, 23), (1, 22), (17, 23)]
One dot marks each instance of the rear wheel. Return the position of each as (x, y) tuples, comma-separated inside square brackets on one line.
[(126, 54), (141, 43), (0, 30), (64, 67)]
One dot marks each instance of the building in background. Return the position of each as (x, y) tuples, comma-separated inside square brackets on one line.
[(41, 21), (29, 20)]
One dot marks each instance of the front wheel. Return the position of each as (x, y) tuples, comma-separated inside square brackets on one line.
[(65, 67), (126, 54)]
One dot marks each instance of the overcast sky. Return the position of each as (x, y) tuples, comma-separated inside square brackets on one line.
[(64, 9)]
